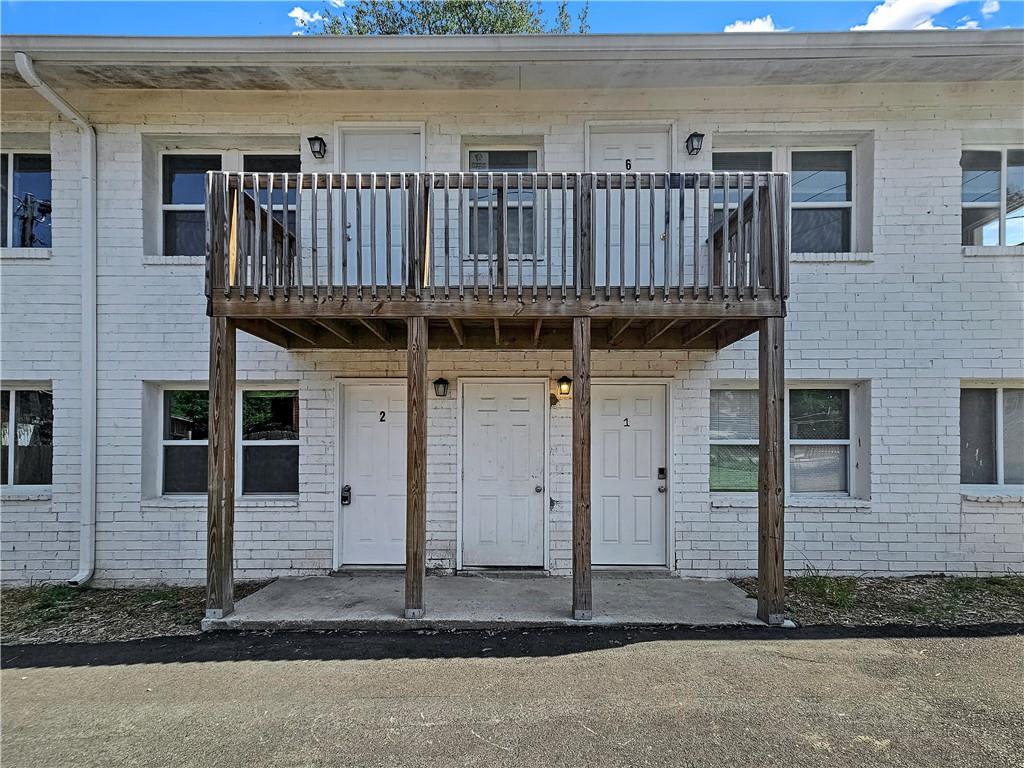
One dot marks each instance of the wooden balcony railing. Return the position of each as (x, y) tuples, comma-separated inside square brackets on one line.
[(658, 244)]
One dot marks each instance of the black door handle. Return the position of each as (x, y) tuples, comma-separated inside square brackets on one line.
[(346, 495)]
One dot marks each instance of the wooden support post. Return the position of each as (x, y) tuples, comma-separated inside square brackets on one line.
[(220, 517), (416, 468), (770, 468), (582, 598)]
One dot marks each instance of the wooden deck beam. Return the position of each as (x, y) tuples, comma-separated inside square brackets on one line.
[(337, 328), (377, 328), (582, 596), (770, 468), (416, 468), (456, 326), (367, 309), (220, 510)]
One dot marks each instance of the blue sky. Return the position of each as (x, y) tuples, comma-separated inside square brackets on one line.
[(271, 17)]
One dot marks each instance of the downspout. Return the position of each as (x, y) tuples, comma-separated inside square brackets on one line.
[(87, 533)]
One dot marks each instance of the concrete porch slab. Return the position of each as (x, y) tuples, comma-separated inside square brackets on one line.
[(375, 601)]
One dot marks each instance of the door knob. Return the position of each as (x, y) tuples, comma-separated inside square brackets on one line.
[(538, 488), (661, 489)]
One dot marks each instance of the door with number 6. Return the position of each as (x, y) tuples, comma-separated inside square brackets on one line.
[(372, 498), (629, 475)]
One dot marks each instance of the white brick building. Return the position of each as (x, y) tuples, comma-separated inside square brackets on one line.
[(913, 298)]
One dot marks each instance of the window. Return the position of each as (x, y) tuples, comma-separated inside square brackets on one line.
[(183, 199), (822, 201), (186, 415), (183, 193), (992, 196), (26, 437), (520, 215), (992, 436), (734, 446), (270, 441), (268, 451), (25, 201), (275, 164), (818, 441), (822, 193)]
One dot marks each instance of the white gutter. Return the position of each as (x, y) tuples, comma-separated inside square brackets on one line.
[(87, 212)]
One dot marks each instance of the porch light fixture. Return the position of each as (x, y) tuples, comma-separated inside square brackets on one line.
[(693, 143), (318, 146), (441, 387), (565, 386)]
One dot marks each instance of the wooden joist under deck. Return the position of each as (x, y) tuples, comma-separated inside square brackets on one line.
[(325, 334)]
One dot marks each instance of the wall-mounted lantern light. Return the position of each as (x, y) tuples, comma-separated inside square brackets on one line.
[(318, 147), (441, 387), (565, 386), (693, 143)]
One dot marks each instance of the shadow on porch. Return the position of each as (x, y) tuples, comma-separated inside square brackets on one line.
[(376, 601)]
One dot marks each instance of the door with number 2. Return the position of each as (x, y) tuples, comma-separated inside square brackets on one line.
[(628, 471), (373, 475)]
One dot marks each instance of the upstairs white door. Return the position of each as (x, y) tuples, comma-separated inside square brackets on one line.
[(373, 467), (615, 236), (366, 229), (503, 474), (629, 499)]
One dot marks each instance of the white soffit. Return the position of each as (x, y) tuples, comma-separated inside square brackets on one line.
[(519, 62)]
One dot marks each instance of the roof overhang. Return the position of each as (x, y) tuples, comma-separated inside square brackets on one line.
[(517, 62)]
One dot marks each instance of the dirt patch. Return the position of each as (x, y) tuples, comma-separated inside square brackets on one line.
[(911, 601), (59, 613)]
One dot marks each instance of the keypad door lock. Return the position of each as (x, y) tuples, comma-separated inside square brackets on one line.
[(346, 495), (661, 473)]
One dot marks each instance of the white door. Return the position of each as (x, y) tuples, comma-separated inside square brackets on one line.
[(629, 471), (366, 223), (373, 467), (503, 475), (617, 254)]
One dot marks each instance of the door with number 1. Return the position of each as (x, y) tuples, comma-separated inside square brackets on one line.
[(373, 475), (629, 475)]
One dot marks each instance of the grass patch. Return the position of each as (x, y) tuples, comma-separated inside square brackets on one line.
[(817, 598), (57, 612)]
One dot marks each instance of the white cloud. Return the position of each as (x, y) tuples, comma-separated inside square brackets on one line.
[(303, 18), (906, 14), (337, 3), (967, 23), (989, 8), (761, 24)]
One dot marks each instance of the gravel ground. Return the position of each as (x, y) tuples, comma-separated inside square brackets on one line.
[(554, 698)]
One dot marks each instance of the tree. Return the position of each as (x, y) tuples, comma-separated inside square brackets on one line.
[(445, 17)]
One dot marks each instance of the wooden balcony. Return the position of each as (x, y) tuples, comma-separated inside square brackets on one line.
[(498, 260), (576, 261)]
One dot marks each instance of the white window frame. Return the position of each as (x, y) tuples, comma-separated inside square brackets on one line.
[(164, 442), (10, 486), (8, 156), (224, 166), (231, 160), (849, 442), (1003, 150), (483, 146), (1000, 453), (239, 442), (782, 162), (732, 441)]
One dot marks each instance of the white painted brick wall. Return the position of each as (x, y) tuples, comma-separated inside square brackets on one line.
[(913, 317)]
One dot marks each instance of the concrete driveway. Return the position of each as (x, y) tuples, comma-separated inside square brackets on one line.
[(523, 698)]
